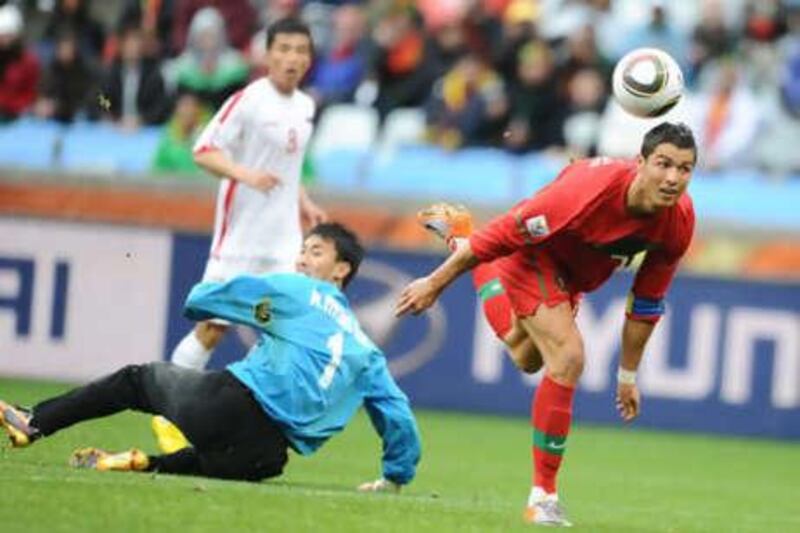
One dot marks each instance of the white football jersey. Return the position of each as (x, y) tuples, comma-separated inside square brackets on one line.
[(267, 131)]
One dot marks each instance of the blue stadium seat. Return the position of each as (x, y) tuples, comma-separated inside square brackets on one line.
[(340, 150), (29, 143), (534, 170), (342, 168), (475, 176), (104, 148), (402, 127), (746, 199)]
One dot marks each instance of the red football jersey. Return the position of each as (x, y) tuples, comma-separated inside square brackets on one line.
[(581, 221)]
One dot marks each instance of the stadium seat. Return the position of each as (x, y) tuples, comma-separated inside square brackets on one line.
[(29, 143), (475, 176), (342, 142), (728, 199), (402, 127), (92, 147), (533, 171)]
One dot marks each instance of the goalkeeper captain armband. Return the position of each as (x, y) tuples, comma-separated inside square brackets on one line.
[(646, 309)]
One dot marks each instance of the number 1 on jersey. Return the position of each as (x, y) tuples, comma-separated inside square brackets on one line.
[(336, 346)]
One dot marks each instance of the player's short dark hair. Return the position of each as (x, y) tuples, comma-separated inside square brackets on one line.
[(348, 248), (675, 133), (288, 25)]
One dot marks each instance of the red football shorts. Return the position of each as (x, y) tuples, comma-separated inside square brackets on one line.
[(533, 280)]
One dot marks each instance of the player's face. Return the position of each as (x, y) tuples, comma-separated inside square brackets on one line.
[(288, 60), (665, 175), (318, 259)]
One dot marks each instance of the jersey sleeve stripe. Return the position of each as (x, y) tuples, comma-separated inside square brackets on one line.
[(205, 148), (231, 104), (226, 215), (210, 144)]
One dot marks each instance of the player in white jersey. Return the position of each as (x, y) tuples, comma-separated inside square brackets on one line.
[(256, 143)]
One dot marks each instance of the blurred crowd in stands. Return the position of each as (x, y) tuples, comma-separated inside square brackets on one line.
[(522, 75)]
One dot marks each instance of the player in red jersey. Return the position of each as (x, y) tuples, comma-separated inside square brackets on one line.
[(532, 263)]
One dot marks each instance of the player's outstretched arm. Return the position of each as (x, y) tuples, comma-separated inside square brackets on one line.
[(393, 420), (422, 293)]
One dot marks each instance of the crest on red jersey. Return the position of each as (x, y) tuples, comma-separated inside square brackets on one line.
[(537, 226)]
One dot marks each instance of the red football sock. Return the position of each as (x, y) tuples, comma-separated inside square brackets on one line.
[(495, 302), (551, 413)]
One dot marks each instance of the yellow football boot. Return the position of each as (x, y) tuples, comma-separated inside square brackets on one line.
[(170, 438)]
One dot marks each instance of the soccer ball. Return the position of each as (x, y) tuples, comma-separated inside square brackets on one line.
[(647, 82)]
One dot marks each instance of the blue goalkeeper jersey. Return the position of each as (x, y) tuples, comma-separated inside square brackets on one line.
[(313, 366)]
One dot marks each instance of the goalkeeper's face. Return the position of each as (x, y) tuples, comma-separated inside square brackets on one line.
[(319, 259)]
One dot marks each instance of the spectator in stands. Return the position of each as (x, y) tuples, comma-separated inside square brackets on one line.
[(482, 26), (448, 44), (765, 20), (133, 86), (239, 15), (586, 96), (403, 69), (764, 25), (208, 67), (155, 18), (467, 105), (659, 32), (584, 83), (455, 28), (19, 68), (790, 76), (537, 119), (435, 14), (726, 120), (789, 42), (317, 14), (174, 153), (580, 53), (519, 28), (711, 39), (776, 148), (338, 72), (610, 20), (74, 16), (272, 11), (67, 87)]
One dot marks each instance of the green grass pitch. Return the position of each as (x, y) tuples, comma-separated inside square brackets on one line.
[(474, 476)]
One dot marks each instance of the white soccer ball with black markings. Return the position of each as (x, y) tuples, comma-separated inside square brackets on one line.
[(647, 82)]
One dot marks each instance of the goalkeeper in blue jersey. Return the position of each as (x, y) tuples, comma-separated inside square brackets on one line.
[(310, 371)]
